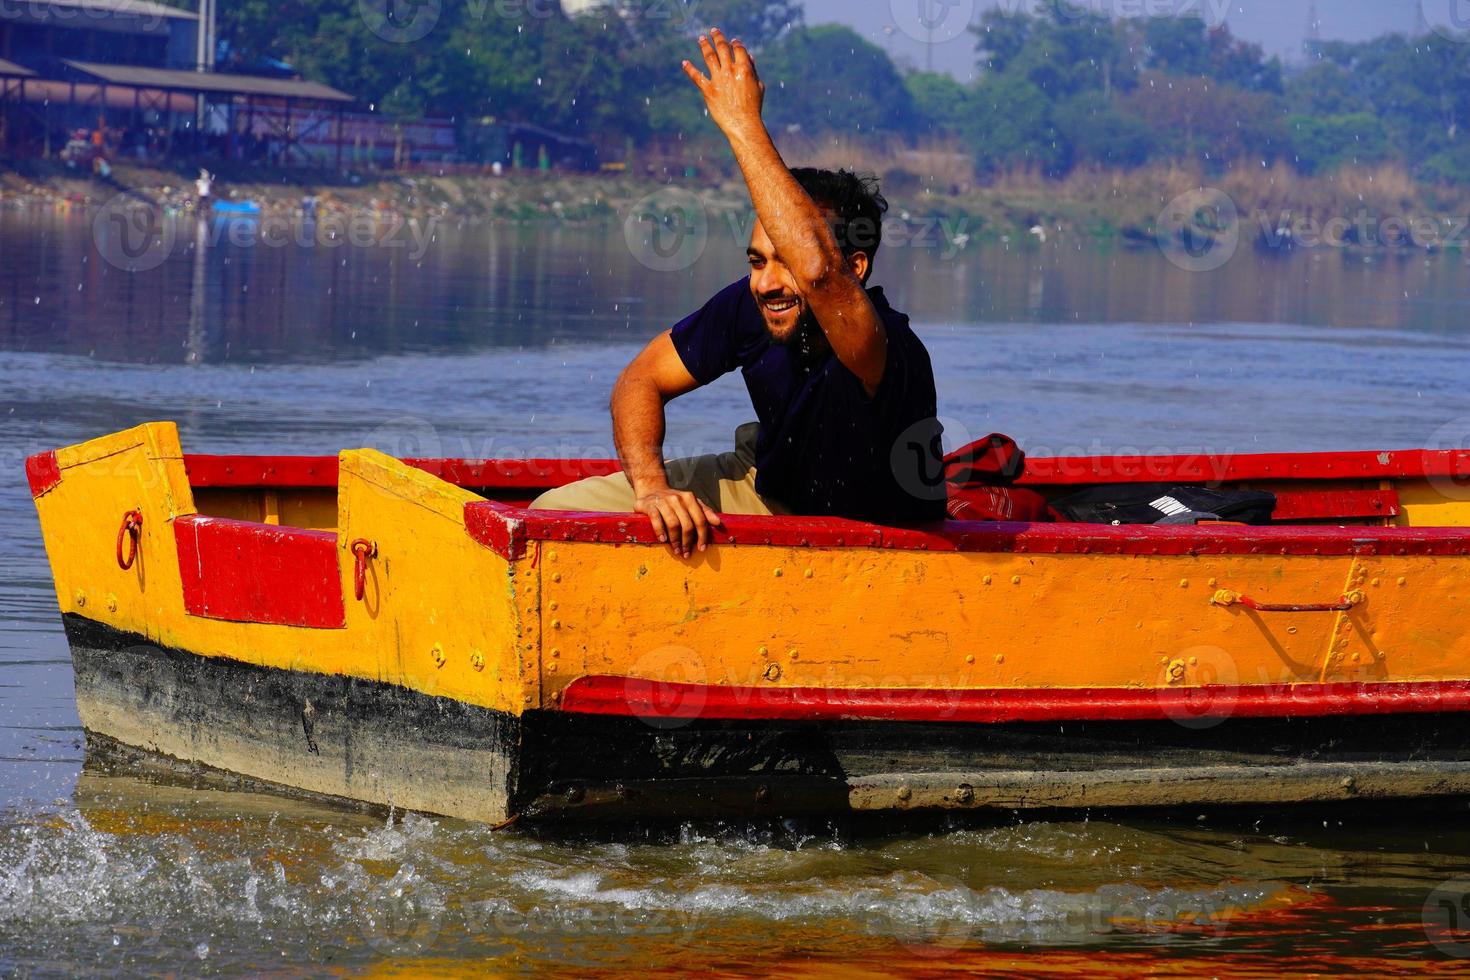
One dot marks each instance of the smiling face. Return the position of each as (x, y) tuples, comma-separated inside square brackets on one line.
[(774, 289), (787, 316)]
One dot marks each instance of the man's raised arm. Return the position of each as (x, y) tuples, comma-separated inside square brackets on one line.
[(654, 377), (828, 281)]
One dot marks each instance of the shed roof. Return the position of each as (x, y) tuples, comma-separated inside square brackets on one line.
[(201, 81)]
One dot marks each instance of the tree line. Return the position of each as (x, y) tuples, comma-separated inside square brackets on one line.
[(1055, 89)]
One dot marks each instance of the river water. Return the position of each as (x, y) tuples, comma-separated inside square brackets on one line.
[(467, 340)]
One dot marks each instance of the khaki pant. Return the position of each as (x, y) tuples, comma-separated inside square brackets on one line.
[(724, 481)]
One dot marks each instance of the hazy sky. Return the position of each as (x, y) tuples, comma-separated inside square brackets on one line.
[(1279, 25)]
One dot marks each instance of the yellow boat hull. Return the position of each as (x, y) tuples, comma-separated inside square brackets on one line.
[(411, 635)]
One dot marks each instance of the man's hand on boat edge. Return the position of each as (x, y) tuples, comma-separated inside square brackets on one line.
[(680, 518)]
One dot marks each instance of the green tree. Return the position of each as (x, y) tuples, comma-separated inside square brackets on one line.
[(1326, 89), (1321, 144), (1096, 131), (829, 78), (1011, 125), (941, 104)]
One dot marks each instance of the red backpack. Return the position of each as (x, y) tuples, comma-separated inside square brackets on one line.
[(980, 478)]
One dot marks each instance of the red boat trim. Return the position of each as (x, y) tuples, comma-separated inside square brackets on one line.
[(1205, 468), (42, 472), (506, 529), (259, 573), (626, 696), (1041, 471)]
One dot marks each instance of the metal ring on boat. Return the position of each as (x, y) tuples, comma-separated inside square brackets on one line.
[(362, 550), (132, 527)]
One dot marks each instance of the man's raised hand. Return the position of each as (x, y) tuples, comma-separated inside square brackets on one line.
[(732, 92)]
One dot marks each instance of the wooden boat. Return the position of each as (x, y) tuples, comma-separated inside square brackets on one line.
[(408, 633)]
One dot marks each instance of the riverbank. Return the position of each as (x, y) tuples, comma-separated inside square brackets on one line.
[(1355, 207)]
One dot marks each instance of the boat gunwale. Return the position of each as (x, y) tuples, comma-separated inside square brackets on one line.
[(239, 471), (508, 529)]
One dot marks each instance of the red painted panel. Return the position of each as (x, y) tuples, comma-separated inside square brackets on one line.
[(42, 472), (1311, 505), (626, 696), (259, 573), (321, 471), (536, 474), (261, 471)]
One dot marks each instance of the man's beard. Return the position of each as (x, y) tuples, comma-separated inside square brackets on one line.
[(805, 339)]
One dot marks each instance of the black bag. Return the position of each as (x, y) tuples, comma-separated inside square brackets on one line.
[(1164, 503)]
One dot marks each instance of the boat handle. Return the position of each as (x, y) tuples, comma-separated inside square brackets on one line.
[(1225, 597), (362, 550), (132, 527)]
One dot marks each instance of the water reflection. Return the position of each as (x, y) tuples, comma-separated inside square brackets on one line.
[(505, 341), (299, 292), (143, 873)]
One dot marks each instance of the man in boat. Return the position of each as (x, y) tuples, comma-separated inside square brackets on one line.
[(842, 387)]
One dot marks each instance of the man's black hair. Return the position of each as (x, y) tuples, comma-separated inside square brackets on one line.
[(855, 203)]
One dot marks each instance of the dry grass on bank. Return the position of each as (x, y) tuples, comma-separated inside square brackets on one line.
[(933, 178)]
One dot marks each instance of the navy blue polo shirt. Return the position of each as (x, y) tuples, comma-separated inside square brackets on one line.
[(825, 447)]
